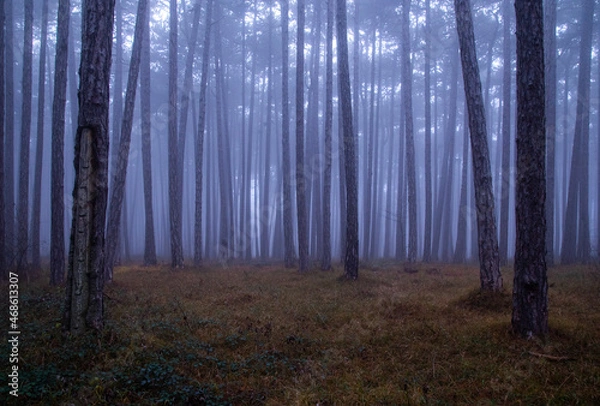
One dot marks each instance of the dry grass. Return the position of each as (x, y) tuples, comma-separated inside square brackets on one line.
[(258, 334)]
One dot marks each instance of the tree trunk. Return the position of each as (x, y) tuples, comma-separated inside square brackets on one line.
[(9, 131), (23, 207), (351, 252), (122, 159), (300, 172), (576, 235), (3, 251), (199, 146), (460, 251), (326, 259), (84, 304), (490, 276), (285, 143), (410, 140), (174, 158), (530, 300), (550, 56), (146, 128), (506, 142), (428, 176)]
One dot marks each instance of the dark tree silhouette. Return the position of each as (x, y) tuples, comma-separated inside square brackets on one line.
[(84, 292), (490, 276), (3, 251), (351, 249), (530, 301)]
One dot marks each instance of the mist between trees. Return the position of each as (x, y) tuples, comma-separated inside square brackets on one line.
[(226, 158)]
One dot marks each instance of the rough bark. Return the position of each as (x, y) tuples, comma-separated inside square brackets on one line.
[(326, 258), (490, 276), (300, 174), (84, 298), (285, 140), (122, 158), (199, 145), (173, 144), (530, 289), (23, 206), (57, 239), (576, 235), (351, 251)]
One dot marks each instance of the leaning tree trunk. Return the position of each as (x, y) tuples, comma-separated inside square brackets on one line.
[(85, 283), (122, 157), (530, 289), (351, 251), (490, 276), (23, 207)]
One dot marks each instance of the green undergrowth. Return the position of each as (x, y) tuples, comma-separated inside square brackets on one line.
[(259, 334)]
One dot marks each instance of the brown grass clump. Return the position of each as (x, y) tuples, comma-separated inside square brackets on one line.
[(254, 335)]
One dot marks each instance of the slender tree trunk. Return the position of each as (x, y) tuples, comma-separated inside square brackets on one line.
[(490, 276), (326, 259), (118, 188), (506, 142), (300, 171), (285, 136), (351, 252), (23, 207), (3, 250), (36, 262), (410, 141), (428, 176), (84, 292), (530, 291), (199, 146), (576, 236), (174, 158), (369, 141), (9, 131), (460, 252), (550, 55)]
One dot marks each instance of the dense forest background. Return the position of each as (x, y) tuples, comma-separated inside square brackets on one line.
[(236, 48)]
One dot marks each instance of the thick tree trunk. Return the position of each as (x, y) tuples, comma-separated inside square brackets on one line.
[(530, 300), (23, 206), (122, 158), (326, 259), (300, 171), (576, 236), (351, 251), (285, 140), (490, 276), (84, 304)]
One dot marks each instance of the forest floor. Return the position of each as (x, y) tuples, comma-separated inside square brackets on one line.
[(257, 334)]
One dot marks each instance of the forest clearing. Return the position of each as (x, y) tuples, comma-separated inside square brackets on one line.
[(257, 334)]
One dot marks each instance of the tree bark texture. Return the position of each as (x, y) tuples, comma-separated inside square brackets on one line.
[(84, 299), (490, 276), (351, 251), (530, 289)]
